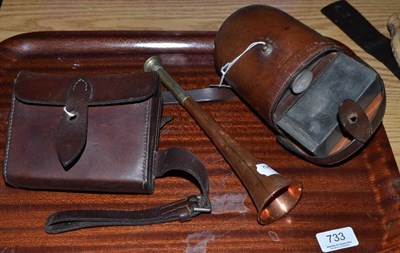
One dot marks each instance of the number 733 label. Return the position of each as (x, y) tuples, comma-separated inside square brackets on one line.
[(337, 239)]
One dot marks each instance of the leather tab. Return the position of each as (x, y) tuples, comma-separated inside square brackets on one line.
[(354, 120), (72, 131)]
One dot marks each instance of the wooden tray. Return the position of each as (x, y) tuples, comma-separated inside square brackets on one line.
[(362, 193)]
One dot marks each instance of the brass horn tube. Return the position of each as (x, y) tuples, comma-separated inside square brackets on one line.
[(273, 194)]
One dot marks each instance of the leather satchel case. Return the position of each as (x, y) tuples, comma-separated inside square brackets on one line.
[(96, 133), (91, 133)]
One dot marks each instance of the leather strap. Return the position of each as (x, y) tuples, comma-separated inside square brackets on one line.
[(211, 94), (183, 210), (357, 27)]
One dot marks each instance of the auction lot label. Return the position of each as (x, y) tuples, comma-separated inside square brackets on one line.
[(337, 239)]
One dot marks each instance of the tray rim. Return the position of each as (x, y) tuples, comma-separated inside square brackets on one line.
[(13, 41)]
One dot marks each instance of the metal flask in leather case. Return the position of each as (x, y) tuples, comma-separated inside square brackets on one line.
[(323, 101)]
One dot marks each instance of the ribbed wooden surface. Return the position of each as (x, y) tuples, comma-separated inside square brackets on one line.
[(361, 193)]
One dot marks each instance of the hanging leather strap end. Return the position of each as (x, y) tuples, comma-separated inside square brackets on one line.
[(182, 210)]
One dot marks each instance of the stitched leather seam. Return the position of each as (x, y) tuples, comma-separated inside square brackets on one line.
[(9, 138), (146, 144)]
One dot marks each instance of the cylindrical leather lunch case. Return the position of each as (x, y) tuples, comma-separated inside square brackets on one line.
[(323, 101)]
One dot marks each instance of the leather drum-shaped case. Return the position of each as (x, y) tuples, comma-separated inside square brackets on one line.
[(84, 133), (323, 102)]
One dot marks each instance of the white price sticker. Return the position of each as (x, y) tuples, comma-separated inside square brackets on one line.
[(264, 169), (337, 239)]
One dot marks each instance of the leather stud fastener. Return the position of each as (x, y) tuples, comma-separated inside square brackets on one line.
[(354, 120)]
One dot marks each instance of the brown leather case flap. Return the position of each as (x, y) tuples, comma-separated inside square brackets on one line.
[(52, 89)]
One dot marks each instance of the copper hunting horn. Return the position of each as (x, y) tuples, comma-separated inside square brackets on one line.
[(273, 194)]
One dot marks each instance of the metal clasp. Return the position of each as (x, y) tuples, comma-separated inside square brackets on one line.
[(202, 209)]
